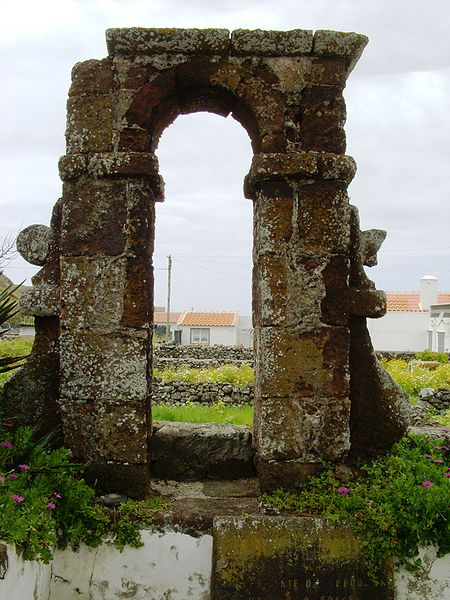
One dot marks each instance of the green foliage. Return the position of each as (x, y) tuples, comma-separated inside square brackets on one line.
[(441, 357), (241, 376), (198, 413), (8, 303), (45, 503), (412, 381), (395, 502)]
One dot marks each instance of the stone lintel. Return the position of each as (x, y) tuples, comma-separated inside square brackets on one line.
[(301, 165), (258, 42), (367, 303), (340, 44), (142, 40)]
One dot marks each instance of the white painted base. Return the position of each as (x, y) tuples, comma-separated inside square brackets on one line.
[(170, 566)]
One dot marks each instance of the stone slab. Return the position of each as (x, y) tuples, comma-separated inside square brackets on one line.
[(291, 558)]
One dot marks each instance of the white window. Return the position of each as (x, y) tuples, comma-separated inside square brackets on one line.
[(440, 341), (200, 336)]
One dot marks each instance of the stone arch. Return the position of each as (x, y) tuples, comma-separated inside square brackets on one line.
[(316, 393)]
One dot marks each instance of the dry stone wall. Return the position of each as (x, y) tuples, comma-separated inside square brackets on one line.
[(319, 390), (177, 393)]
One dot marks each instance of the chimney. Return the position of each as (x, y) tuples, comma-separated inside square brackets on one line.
[(428, 291)]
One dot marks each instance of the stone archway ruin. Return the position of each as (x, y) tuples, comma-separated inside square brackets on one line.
[(319, 390)]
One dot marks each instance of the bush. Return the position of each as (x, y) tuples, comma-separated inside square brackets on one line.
[(412, 381), (395, 503), (45, 503), (427, 355)]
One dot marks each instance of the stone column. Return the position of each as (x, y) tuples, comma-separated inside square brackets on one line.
[(107, 238), (302, 337)]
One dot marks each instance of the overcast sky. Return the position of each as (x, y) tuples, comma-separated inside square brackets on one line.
[(398, 130)]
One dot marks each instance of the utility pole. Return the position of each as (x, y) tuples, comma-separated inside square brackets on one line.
[(169, 275)]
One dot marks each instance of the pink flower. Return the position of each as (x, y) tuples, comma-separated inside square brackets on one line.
[(427, 484), (51, 505), (18, 498), (438, 461), (445, 430), (343, 490), (24, 467), (57, 495), (6, 444), (7, 424), (12, 476), (447, 474), (2, 479)]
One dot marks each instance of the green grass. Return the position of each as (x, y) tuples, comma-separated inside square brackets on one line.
[(193, 413), (16, 347)]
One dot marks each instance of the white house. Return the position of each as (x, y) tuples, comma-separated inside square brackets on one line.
[(213, 328), (414, 320)]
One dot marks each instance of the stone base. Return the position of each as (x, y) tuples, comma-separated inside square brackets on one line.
[(131, 480), (288, 474), (291, 558)]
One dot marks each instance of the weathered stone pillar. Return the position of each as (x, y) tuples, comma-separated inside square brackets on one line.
[(107, 240), (301, 256)]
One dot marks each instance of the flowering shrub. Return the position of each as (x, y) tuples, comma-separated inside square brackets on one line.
[(395, 502), (412, 381), (45, 504)]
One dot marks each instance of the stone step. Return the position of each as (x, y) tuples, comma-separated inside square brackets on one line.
[(197, 451)]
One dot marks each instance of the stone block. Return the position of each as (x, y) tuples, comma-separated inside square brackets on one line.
[(106, 430), (294, 558), (140, 224), (323, 217), (141, 40), (367, 303), (152, 99), (307, 429), (334, 305), (134, 139), (42, 300), (93, 218), (89, 124), (191, 451), (257, 42), (138, 293), (270, 275), (104, 364), (92, 77), (273, 218), (92, 291), (348, 45), (307, 364), (323, 116)]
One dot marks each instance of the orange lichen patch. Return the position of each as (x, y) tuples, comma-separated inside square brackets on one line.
[(208, 319), (410, 301)]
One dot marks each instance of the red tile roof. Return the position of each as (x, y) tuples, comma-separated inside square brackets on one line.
[(160, 318), (410, 301), (208, 319)]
